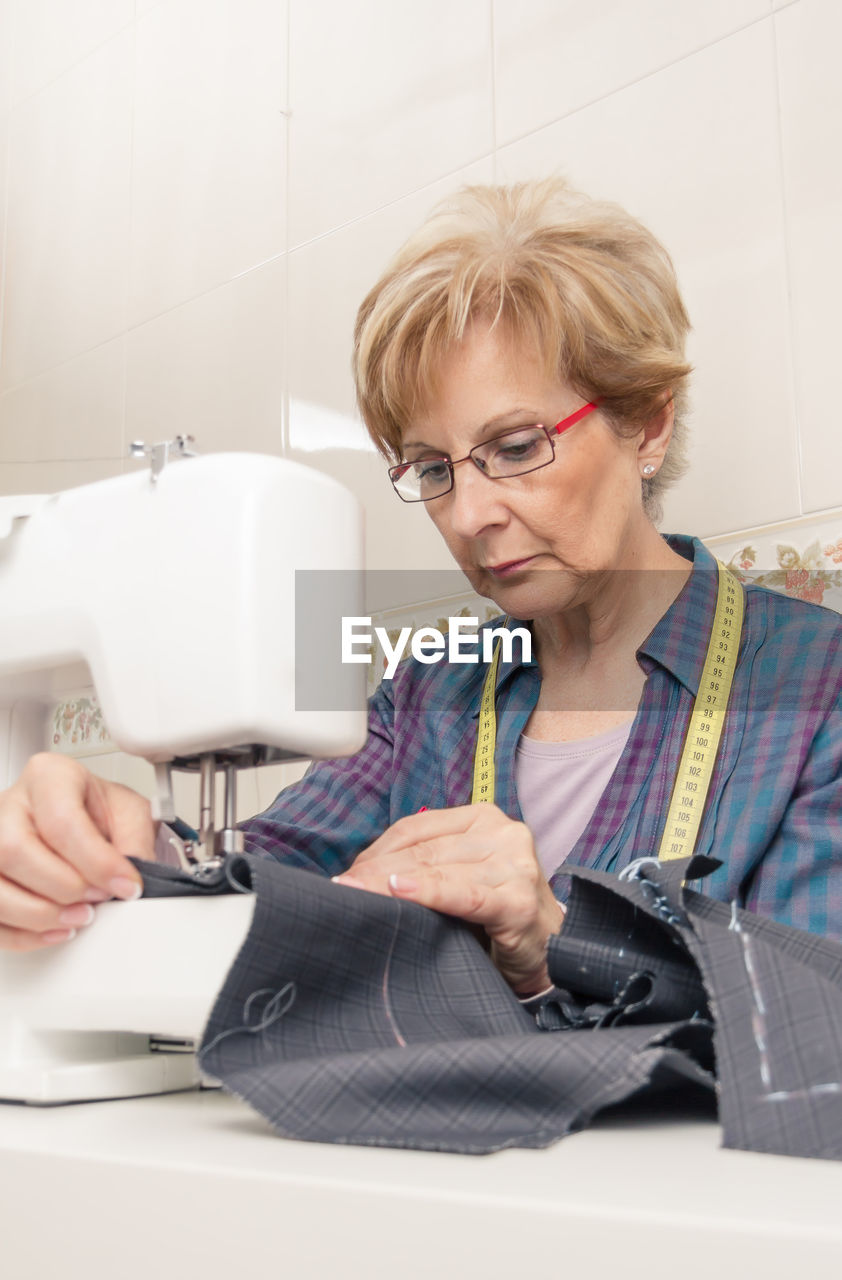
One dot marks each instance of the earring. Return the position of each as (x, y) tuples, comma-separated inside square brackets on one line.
[(649, 469)]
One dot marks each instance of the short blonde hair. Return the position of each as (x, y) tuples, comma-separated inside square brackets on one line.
[(579, 281)]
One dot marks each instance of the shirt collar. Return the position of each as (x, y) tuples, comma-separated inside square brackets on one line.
[(518, 659), (505, 670), (679, 640)]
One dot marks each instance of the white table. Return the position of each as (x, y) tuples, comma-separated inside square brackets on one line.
[(196, 1185)]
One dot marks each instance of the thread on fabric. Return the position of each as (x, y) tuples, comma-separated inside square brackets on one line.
[(760, 1031), (271, 1013), (634, 870), (658, 899), (659, 902), (387, 1003)]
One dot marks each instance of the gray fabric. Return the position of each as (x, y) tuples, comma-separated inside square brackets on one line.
[(355, 1018), (776, 996)]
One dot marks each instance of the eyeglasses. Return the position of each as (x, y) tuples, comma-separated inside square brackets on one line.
[(514, 453)]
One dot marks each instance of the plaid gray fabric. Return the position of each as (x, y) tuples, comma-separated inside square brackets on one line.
[(775, 992), (356, 1018)]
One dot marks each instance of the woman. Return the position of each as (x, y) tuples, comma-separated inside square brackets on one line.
[(522, 365)]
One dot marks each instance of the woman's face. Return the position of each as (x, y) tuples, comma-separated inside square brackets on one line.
[(538, 543)]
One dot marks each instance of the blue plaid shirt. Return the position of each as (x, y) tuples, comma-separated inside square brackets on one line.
[(774, 810)]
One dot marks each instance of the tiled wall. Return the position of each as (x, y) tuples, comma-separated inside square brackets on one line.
[(196, 194)]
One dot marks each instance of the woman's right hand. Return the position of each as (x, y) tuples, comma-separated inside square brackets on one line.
[(65, 838)]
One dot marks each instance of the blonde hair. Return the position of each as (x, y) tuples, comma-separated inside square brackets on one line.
[(579, 281)]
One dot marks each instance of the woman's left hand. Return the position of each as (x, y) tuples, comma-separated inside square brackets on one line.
[(475, 863)]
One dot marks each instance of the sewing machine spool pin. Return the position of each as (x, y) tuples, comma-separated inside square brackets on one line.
[(163, 452)]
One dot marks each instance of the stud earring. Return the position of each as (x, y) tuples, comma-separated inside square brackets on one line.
[(649, 469)]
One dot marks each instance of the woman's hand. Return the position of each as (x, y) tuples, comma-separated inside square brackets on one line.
[(64, 840), (475, 863)]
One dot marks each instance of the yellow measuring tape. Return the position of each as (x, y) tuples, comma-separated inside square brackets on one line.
[(695, 768), (483, 792)]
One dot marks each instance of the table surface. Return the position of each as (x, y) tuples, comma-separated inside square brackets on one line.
[(197, 1184)]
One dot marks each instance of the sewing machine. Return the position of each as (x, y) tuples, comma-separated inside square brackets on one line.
[(171, 590)]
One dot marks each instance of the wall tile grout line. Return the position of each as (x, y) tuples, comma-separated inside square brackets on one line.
[(628, 84), (791, 329)]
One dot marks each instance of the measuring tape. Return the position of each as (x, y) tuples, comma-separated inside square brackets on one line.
[(483, 792), (695, 768)]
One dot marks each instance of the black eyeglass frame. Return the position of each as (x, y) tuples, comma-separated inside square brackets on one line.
[(399, 470)]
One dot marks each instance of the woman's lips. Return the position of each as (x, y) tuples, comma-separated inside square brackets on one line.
[(509, 567)]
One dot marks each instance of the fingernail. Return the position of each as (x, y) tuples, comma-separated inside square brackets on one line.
[(349, 881), (95, 895), (402, 884), (123, 887), (77, 916), (58, 935)]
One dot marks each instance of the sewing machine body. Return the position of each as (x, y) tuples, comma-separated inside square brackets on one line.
[(118, 1011), (174, 598), (173, 594)]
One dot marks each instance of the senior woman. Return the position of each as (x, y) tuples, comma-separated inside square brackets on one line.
[(521, 364)]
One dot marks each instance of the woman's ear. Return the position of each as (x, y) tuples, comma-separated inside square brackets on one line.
[(655, 437)]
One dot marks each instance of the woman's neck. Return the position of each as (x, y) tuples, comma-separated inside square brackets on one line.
[(616, 612)]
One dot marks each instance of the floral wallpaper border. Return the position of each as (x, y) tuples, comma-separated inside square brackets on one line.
[(78, 727), (801, 558)]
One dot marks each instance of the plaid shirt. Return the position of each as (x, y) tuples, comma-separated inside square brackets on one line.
[(774, 811)]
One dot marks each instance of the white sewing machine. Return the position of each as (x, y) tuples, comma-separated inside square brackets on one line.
[(172, 591)]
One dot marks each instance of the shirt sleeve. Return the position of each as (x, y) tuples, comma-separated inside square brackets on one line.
[(337, 809), (799, 879)]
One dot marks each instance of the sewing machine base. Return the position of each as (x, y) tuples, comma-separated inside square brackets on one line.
[(117, 1012), (126, 1075)]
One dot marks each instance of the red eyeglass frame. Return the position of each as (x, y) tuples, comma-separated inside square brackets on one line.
[(399, 468)]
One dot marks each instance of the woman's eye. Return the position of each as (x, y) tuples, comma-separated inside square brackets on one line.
[(518, 450), (431, 472)]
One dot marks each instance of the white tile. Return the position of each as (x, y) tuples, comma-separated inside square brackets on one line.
[(52, 477), (809, 37), (75, 410), (68, 217), (272, 778), (385, 98), (4, 189), (134, 772), (186, 796), (6, 55), (328, 280), (104, 766), (213, 368), (6, 64), (209, 147), (553, 56), (703, 174), (51, 36), (248, 800)]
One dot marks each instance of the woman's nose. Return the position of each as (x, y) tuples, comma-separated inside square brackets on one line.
[(475, 501)]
